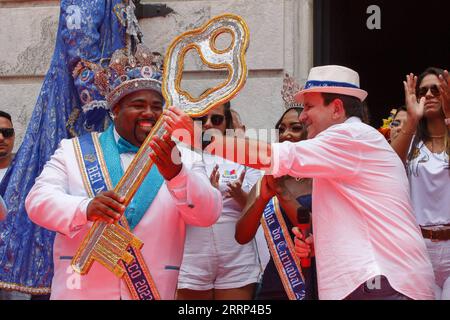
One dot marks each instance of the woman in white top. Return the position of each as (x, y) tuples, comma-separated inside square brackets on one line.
[(215, 266), (423, 144)]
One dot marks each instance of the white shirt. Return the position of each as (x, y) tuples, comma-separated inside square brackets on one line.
[(2, 173), (3, 209), (362, 215), (230, 172), (126, 157), (429, 178)]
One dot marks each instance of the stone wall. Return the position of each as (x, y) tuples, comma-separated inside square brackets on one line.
[(281, 41)]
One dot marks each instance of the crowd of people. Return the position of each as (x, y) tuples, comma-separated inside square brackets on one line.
[(332, 210)]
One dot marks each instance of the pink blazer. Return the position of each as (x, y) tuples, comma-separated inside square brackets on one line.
[(58, 202)]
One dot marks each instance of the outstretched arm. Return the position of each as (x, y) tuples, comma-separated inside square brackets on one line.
[(252, 153)]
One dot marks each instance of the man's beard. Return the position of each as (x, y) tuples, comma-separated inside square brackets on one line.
[(3, 154), (140, 135)]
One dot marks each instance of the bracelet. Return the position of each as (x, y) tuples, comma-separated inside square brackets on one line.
[(447, 121)]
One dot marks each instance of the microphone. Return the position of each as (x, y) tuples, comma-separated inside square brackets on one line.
[(303, 218)]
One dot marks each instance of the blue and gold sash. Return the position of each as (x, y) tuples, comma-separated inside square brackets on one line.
[(149, 187), (96, 178), (282, 251)]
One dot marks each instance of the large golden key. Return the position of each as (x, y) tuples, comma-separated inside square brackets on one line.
[(108, 244)]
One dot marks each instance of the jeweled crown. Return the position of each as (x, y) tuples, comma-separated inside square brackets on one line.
[(290, 88), (128, 72)]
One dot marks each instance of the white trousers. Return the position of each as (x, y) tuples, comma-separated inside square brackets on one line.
[(439, 252)]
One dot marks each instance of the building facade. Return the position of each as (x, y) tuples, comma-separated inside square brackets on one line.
[(281, 40)]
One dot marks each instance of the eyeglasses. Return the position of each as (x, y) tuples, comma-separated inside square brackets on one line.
[(216, 119), (434, 91), (7, 132)]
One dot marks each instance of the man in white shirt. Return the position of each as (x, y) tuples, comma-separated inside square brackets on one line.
[(366, 239), (172, 195), (7, 137)]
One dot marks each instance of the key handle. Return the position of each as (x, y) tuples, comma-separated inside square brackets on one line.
[(204, 41)]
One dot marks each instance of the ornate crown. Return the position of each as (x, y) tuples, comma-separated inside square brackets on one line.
[(290, 88), (127, 73)]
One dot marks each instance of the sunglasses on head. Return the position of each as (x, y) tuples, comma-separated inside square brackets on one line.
[(7, 132), (216, 119), (434, 91)]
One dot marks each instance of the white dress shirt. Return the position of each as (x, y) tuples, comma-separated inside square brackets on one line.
[(362, 216)]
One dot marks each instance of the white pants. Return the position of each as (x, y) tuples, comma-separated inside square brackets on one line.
[(213, 259), (440, 259)]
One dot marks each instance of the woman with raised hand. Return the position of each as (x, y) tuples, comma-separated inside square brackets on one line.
[(423, 144)]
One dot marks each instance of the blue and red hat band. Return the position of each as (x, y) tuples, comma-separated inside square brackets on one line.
[(315, 83)]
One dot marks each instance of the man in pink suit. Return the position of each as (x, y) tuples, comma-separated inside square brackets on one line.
[(176, 194)]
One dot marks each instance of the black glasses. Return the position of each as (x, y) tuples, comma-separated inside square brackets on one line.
[(7, 132), (216, 119), (434, 91)]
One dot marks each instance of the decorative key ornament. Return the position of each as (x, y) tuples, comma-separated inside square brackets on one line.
[(204, 40), (114, 246)]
